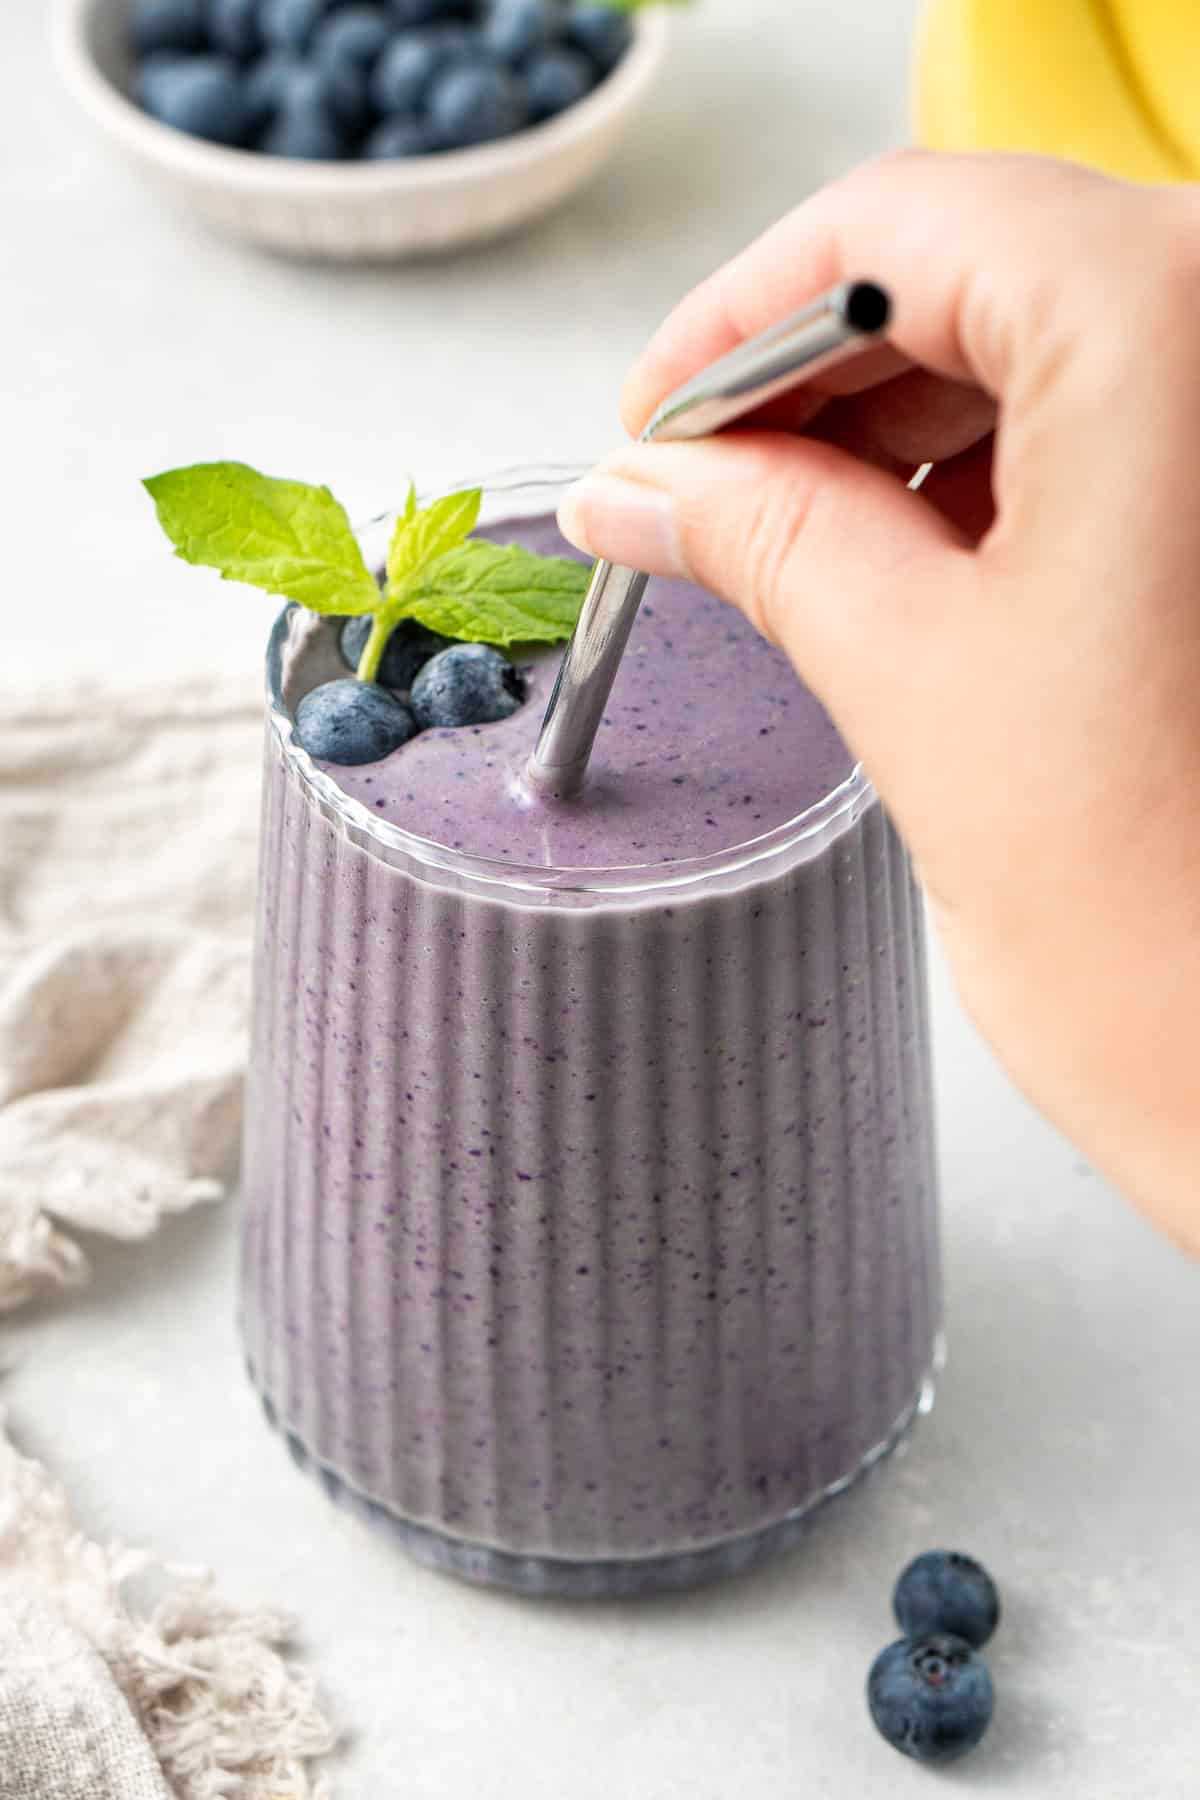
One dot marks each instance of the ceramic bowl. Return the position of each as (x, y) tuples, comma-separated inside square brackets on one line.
[(355, 211)]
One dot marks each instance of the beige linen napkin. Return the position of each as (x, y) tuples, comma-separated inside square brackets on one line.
[(99, 1701), (128, 822), (127, 827)]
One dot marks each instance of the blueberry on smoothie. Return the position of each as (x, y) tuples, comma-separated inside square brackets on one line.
[(350, 721), (946, 1591), (168, 25), (601, 32), (556, 79), (409, 648), (469, 684), (233, 27), (474, 103), (202, 95), (514, 29), (930, 1697)]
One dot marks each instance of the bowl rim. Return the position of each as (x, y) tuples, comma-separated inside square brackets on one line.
[(250, 170)]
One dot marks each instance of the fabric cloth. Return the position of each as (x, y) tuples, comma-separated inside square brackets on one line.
[(127, 860), (128, 824), (99, 1701)]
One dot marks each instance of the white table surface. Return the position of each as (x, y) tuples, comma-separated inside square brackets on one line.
[(1065, 1447)]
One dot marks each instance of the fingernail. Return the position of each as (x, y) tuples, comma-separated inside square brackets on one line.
[(626, 521)]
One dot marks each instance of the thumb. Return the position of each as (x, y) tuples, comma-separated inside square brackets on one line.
[(837, 562)]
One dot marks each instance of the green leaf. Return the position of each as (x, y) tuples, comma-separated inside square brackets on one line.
[(423, 535), (500, 594), (282, 536)]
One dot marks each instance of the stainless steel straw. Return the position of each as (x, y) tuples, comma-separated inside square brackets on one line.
[(829, 331)]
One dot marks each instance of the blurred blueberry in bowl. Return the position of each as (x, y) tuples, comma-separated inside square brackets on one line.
[(361, 128)]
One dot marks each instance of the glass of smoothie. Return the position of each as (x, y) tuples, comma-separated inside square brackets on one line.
[(590, 1217)]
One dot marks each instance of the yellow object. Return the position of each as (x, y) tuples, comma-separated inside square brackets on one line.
[(1111, 83)]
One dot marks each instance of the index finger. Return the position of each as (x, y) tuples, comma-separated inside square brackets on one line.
[(978, 252)]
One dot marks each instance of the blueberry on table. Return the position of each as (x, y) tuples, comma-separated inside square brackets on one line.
[(290, 24), (469, 684), (202, 95), (350, 721), (514, 29), (410, 645), (930, 1697), (168, 25), (946, 1591), (601, 32), (556, 79), (233, 27), (474, 103)]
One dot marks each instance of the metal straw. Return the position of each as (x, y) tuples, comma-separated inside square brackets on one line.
[(829, 331)]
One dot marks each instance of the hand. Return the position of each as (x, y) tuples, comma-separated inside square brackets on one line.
[(1013, 650)]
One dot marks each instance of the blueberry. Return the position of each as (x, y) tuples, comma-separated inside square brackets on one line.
[(404, 72), (355, 34), (472, 103), (350, 721), (233, 27), (168, 25), (943, 1590), (601, 32), (347, 94), (930, 1697), (410, 645), (290, 24), (469, 684), (305, 126), (202, 95), (406, 13), (399, 137), (150, 74), (556, 79), (514, 29), (346, 48), (270, 81)]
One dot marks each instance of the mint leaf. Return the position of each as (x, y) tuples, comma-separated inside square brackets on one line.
[(283, 536), (500, 594), (423, 535)]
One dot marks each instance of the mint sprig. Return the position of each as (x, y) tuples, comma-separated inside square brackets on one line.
[(296, 541), (283, 536), (500, 594)]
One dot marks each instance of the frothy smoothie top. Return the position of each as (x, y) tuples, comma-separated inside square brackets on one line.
[(709, 741)]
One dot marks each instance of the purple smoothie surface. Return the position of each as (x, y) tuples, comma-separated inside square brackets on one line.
[(709, 741)]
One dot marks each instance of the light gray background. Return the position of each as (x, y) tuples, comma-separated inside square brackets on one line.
[(1065, 1447)]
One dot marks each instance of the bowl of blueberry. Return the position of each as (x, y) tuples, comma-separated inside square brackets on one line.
[(362, 129)]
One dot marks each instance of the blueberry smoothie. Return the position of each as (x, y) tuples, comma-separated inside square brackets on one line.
[(590, 1230)]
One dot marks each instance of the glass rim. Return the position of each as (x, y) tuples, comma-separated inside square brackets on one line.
[(817, 821)]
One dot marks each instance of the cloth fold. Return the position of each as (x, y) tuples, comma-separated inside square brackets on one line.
[(127, 851)]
